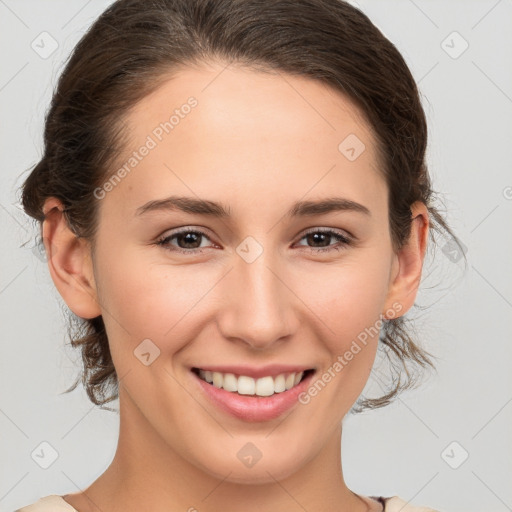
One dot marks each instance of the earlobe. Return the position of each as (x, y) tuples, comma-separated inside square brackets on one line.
[(406, 277), (69, 262)]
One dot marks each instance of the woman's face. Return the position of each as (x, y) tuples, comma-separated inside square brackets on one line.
[(260, 285)]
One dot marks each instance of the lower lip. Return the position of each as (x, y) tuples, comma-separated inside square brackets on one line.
[(253, 408)]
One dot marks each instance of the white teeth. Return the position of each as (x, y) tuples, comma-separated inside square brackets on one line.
[(279, 384), (217, 379), (244, 385), (230, 382), (265, 386)]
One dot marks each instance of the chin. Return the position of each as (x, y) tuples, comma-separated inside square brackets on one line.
[(265, 471)]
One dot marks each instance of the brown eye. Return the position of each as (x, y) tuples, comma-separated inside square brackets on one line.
[(188, 241), (323, 238)]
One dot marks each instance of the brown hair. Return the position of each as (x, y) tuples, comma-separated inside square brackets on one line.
[(135, 45)]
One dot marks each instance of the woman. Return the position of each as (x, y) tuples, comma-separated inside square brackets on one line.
[(234, 200)]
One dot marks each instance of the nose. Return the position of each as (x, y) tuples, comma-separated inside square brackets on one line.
[(259, 308)]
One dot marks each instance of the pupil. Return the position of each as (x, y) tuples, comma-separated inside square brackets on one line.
[(325, 235), (187, 237)]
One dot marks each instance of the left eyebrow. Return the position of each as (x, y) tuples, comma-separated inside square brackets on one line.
[(218, 210), (328, 205)]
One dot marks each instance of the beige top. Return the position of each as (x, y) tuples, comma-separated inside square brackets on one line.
[(55, 503)]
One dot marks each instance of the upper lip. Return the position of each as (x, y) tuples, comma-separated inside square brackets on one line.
[(256, 372)]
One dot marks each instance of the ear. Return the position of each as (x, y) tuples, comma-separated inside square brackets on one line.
[(69, 262), (408, 263)]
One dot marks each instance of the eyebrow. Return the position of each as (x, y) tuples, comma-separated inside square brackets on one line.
[(217, 210)]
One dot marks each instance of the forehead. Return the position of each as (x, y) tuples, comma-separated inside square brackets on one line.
[(246, 136)]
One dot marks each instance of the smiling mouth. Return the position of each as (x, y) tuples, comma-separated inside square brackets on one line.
[(248, 386)]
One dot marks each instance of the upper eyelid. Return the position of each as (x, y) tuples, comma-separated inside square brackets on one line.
[(326, 229)]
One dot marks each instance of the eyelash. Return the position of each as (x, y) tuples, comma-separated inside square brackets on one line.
[(343, 241)]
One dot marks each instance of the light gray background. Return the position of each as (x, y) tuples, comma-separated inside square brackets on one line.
[(405, 449)]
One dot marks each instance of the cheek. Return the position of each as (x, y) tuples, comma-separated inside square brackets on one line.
[(138, 300), (350, 304), (351, 297), (149, 301)]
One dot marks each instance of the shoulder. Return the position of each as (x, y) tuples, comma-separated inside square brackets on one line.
[(52, 503), (397, 504), (55, 503)]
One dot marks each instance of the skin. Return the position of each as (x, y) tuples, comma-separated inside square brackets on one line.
[(256, 142)]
